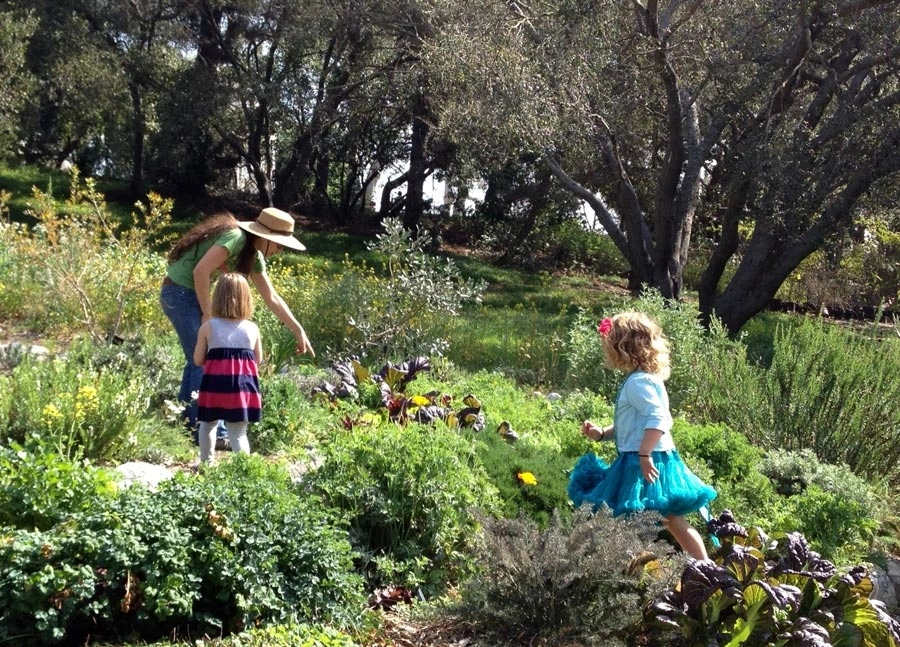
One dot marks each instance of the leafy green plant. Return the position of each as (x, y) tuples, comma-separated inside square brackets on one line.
[(584, 578), (408, 494), (39, 488), (387, 388), (288, 635), (758, 592), (232, 548)]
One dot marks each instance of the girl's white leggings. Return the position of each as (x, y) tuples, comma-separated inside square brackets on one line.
[(237, 435)]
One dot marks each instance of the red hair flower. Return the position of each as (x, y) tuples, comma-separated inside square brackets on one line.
[(604, 327)]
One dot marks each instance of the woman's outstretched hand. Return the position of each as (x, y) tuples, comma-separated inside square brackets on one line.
[(303, 344)]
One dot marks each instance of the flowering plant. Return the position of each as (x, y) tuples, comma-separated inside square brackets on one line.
[(604, 326), (526, 478)]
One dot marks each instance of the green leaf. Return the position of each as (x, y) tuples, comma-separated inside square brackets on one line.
[(756, 596), (874, 633), (361, 372)]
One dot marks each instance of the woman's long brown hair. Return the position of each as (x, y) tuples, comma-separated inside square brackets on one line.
[(211, 228)]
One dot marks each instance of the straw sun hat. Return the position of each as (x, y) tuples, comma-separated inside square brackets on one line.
[(275, 225)]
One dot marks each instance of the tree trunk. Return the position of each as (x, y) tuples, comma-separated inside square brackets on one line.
[(292, 175), (138, 134), (418, 171), (388, 205)]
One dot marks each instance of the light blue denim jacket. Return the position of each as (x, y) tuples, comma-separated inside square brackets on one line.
[(642, 403)]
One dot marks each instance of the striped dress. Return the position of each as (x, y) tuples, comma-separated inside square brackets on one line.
[(229, 389)]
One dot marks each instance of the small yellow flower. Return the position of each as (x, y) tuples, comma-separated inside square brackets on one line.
[(50, 414), (526, 478), (87, 393), (87, 400)]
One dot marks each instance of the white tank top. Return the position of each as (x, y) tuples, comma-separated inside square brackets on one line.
[(232, 333)]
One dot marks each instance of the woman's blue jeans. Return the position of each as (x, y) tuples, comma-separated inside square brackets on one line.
[(180, 305)]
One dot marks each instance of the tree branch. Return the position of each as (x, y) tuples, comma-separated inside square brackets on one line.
[(604, 215)]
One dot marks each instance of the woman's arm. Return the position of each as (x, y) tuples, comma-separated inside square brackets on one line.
[(281, 310), (203, 271), (202, 344)]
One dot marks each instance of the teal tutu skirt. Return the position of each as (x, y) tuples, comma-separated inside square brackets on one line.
[(621, 486)]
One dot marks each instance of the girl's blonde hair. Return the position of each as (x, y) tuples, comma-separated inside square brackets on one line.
[(636, 342), (231, 298)]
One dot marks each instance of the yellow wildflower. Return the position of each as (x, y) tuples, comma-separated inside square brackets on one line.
[(50, 414), (526, 478), (86, 400)]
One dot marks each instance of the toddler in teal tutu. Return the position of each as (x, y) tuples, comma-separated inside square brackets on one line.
[(648, 473)]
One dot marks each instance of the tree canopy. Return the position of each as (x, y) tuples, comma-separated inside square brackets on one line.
[(762, 124), (752, 133)]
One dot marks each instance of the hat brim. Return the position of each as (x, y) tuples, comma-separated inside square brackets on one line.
[(285, 240)]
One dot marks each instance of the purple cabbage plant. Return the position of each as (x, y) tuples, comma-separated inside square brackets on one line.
[(761, 591), (392, 381)]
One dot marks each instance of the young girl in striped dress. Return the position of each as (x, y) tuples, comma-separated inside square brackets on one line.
[(228, 348)]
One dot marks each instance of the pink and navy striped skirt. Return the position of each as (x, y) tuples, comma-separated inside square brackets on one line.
[(229, 389)]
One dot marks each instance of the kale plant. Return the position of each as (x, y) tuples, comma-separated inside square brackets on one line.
[(757, 592)]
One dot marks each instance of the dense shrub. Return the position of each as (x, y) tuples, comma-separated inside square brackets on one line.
[(233, 548), (583, 579), (568, 245), (397, 309), (835, 509), (830, 390), (728, 454), (409, 495), (78, 403)]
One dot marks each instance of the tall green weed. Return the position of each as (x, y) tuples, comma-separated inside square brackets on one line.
[(78, 270), (827, 389)]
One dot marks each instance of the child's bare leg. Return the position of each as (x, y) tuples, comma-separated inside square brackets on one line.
[(687, 537)]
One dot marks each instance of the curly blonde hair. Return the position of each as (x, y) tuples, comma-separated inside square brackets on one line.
[(636, 342)]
